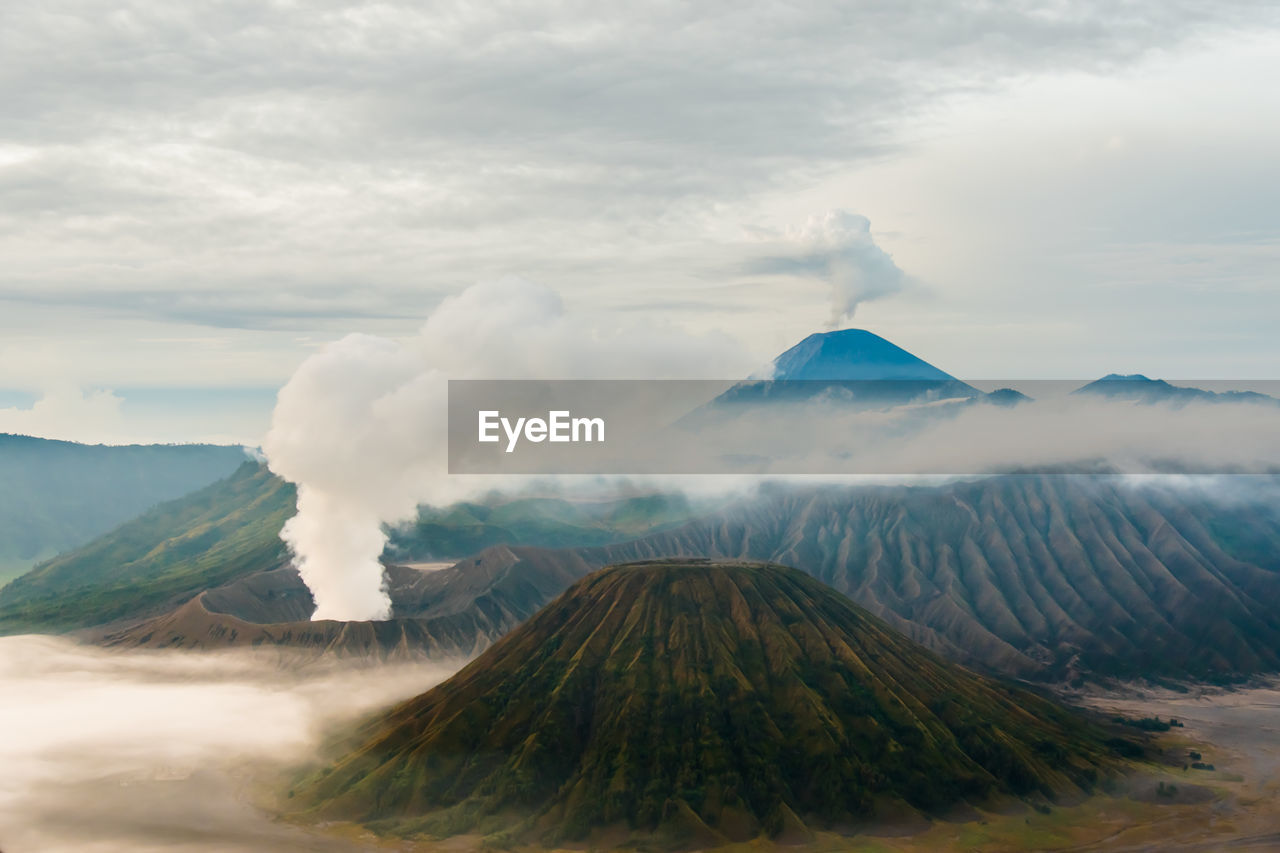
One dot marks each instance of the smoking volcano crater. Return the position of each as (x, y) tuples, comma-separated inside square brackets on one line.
[(702, 702)]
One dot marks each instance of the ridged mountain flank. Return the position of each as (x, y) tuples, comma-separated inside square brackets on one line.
[(699, 702), (1042, 577)]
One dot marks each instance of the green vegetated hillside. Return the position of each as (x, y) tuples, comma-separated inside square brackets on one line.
[(700, 702), (229, 532), (57, 495), (158, 560), (465, 528)]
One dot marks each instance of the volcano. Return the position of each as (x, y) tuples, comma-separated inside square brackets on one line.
[(701, 702), (850, 366), (853, 355)]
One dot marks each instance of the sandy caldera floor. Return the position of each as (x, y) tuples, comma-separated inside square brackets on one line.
[(1236, 806), (1237, 731)]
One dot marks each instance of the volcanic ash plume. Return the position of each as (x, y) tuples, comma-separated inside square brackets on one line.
[(857, 269), (361, 427), (837, 248)]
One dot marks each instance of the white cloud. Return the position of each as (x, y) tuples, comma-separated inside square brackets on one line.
[(312, 149), (70, 414), (297, 170)]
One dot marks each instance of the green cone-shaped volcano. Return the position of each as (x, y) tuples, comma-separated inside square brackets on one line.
[(714, 700)]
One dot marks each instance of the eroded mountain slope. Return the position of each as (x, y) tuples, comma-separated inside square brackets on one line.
[(1034, 576), (704, 702)]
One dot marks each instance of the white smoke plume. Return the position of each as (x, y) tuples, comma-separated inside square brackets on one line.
[(838, 248), (361, 427)]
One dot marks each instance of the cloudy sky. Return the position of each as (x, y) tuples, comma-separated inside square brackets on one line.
[(195, 196)]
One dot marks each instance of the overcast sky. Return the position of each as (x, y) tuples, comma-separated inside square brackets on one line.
[(196, 195)]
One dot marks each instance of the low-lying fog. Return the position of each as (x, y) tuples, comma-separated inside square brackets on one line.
[(151, 751)]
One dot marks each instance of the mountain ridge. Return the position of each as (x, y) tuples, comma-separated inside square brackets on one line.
[(158, 560), (1041, 577), (1137, 387), (59, 495)]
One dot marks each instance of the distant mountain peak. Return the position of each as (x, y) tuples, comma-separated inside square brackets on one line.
[(852, 355), (1127, 377), (1140, 388)]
